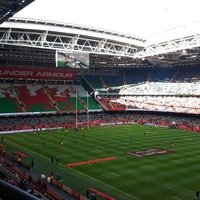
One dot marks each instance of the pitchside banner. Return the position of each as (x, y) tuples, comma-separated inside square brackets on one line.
[(37, 73), (72, 60)]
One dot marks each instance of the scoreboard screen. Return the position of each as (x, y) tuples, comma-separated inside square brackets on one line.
[(77, 60)]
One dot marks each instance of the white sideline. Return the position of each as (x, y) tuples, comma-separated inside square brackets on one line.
[(176, 198), (110, 173)]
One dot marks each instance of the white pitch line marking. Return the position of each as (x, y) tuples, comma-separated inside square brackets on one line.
[(96, 150), (115, 174), (65, 155), (21, 139), (148, 166), (123, 158), (110, 173), (176, 198), (35, 145), (175, 161)]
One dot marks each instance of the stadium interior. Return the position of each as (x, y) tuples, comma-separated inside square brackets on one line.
[(125, 83)]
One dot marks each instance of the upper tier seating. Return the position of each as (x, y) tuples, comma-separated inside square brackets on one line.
[(162, 88), (140, 75), (188, 74), (163, 74), (125, 76), (95, 81)]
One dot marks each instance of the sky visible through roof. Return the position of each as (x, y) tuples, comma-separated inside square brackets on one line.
[(143, 18)]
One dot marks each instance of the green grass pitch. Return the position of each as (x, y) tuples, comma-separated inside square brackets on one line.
[(173, 176)]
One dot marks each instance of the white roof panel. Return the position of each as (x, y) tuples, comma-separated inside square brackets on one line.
[(143, 18)]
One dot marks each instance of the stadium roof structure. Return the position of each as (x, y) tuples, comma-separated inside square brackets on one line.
[(68, 37), (10, 7), (177, 49), (76, 38)]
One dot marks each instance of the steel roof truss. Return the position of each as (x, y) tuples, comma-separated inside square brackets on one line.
[(46, 39)]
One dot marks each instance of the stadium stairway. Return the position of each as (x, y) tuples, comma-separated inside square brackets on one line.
[(19, 101), (149, 76), (82, 102), (103, 83), (51, 99), (52, 191), (106, 86), (110, 104), (174, 77), (124, 76), (72, 90), (102, 104)]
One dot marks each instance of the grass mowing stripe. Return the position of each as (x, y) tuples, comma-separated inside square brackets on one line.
[(40, 155), (167, 179)]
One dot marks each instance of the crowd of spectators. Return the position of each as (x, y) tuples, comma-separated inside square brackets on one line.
[(162, 88), (161, 103), (182, 97), (36, 123), (20, 185)]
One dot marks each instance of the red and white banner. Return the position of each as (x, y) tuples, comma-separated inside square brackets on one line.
[(37, 73)]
